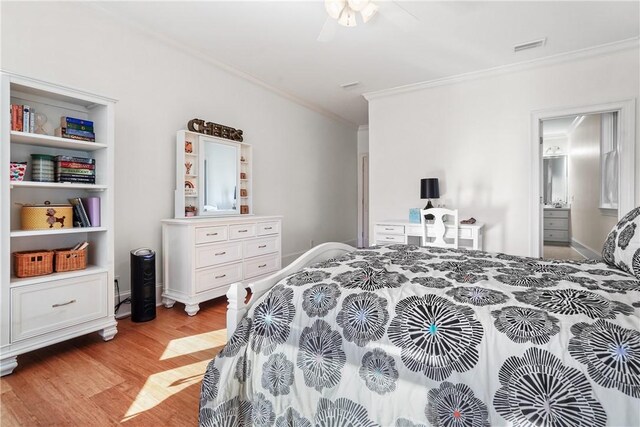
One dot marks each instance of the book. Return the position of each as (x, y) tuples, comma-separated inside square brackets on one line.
[(78, 127), (76, 179), (78, 132), (75, 171), (32, 121), (77, 219), (25, 118), (16, 117), (76, 202), (63, 158), (64, 120), (92, 206), (75, 165), (59, 133)]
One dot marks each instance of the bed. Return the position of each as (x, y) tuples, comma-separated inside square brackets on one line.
[(407, 336)]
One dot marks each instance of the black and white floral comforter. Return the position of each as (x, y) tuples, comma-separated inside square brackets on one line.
[(407, 336)]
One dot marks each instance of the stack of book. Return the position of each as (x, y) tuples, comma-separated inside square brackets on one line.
[(80, 217), (73, 128), (75, 169), (23, 118)]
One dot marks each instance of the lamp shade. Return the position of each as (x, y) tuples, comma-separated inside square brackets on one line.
[(429, 188)]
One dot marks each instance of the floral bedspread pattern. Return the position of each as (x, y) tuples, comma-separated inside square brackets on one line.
[(406, 336)]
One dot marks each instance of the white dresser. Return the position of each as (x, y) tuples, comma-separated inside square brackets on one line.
[(556, 225), (203, 256)]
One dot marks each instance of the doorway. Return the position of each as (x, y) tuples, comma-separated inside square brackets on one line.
[(363, 201), (583, 178)]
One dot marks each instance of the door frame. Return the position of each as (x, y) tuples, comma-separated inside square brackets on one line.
[(626, 156), (363, 200)]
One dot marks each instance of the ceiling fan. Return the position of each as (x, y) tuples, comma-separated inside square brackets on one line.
[(345, 13)]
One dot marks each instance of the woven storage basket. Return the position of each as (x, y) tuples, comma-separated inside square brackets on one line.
[(69, 260), (33, 263)]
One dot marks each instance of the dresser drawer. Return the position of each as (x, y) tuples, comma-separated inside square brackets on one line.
[(556, 224), (47, 307), (240, 231), (556, 213), (556, 236), (212, 278), (389, 229), (211, 234), (259, 266), (218, 254), (260, 247), (389, 238), (265, 228)]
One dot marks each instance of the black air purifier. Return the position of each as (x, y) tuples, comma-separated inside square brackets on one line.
[(143, 285)]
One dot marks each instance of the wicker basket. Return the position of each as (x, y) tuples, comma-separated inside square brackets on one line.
[(33, 263), (69, 260)]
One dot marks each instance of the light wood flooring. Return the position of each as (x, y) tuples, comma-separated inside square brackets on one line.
[(148, 375), (561, 252)]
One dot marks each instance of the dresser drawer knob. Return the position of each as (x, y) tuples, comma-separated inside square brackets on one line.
[(389, 229), (262, 265), (268, 228), (262, 246), (63, 304), (242, 231), (220, 253), (220, 277), (212, 234)]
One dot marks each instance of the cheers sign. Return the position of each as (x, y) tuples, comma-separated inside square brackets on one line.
[(214, 129)]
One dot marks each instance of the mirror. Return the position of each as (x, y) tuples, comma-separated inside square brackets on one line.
[(219, 177), (555, 180)]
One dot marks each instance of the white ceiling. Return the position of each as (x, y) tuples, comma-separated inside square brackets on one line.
[(276, 42)]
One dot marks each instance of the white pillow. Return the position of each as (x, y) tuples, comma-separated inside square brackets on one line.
[(622, 247)]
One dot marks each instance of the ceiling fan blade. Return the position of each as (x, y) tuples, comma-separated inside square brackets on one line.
[(399, 16), (328, 31)]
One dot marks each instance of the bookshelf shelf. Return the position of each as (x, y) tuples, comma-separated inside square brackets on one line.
[(54, 142), (57, 231), (91, 289), (63, 185)]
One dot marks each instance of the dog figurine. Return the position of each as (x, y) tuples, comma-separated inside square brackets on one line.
[(51, 218)]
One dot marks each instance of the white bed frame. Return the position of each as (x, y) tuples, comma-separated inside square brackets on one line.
[(237, 294)]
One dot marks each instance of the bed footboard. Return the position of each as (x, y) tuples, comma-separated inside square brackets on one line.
[(237, 293)]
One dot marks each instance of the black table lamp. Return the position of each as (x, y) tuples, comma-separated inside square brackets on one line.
[(429, 189)]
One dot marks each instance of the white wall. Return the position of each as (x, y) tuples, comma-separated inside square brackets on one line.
[(304, 162), (475, 136)]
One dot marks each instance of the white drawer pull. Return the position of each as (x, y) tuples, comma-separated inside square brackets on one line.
[(63, 304), (262, 246), (242, 231), (220, 277), (262, 265), (268, 228), (212, 234), (389, 229), (220, 253)]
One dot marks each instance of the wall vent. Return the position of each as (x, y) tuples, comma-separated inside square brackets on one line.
[(529, 45)]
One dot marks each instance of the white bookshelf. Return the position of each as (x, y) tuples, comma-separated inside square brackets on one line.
[(83, 299)]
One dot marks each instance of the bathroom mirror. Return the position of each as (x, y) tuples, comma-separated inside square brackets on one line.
[(555, 180), (219, 164)]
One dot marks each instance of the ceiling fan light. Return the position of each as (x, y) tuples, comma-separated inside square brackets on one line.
[(357, 5), (334, 7), (348, 17), (368, 12)]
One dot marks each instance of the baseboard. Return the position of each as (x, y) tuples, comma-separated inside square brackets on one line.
[(584, 250), (289, 258), (125, 309)]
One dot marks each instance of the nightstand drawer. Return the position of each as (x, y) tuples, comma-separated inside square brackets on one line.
[(212, 278), (556, 236), (389, 229), (259, 266), (211, 234), (265, 228), (556, 224), (389, 238), (556, 213), (218, 254), (260, 247), (241, 231), (47, 307)]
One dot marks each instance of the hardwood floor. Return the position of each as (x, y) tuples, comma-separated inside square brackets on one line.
[(561, 252), (149, 374)]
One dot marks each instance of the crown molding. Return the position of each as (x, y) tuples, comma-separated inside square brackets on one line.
[(632, 43), (135, 26)]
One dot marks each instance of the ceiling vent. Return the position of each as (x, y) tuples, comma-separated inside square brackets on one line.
[(348, 86), (529, 45)]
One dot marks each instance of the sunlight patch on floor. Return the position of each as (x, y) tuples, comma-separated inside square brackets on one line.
[(194, 343), (163, 385)]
